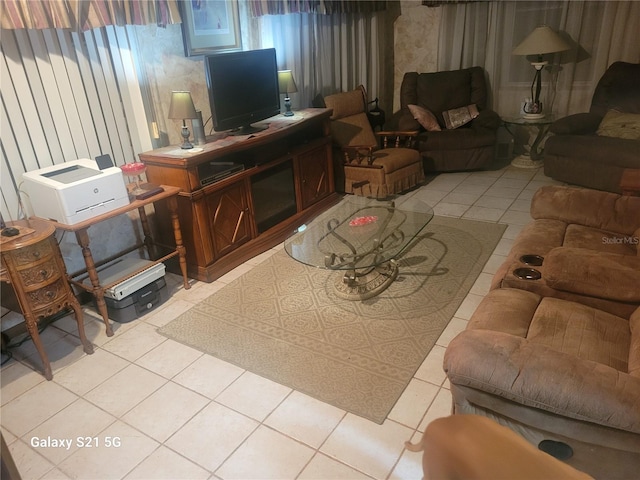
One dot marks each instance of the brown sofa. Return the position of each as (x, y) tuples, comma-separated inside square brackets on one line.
[(558, 358), (590, 244), (468, 147), (576, 154)]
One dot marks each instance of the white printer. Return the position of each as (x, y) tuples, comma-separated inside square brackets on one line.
[(75, 191)]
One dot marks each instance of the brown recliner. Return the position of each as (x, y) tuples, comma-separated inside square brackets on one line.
[(577, 155), (468, 147), (557, 358), (361, 167), (554, 371)]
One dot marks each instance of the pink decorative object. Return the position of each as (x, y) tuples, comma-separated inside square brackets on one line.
[(365, 220), (133, 171)]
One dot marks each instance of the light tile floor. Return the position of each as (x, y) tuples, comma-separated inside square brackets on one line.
[(146, 407)]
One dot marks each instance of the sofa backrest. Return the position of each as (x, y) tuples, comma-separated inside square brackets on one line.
[(618, 89), (441, 91), (592, 208), (349, 122)]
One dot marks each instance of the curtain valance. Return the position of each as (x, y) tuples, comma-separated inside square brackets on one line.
[(259, 8), (87, 14), (437, 3)]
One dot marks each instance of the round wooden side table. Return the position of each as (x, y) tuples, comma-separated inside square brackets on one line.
[(33, 264)]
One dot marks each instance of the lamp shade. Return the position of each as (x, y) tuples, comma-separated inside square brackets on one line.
[(542, 40), (286, 82), (182, 106)]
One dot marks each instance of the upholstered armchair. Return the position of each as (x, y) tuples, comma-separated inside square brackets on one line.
[(441, 99), (593, 149), (361, 166)]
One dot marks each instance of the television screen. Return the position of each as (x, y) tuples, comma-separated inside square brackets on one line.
[(243, 88)]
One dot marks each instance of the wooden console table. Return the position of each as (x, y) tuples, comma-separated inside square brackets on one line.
[(32, 263), (226, 221), (167, 199)]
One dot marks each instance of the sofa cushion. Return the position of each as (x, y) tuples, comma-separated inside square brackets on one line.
[(596, 274), (582, 332), (503, 311), (457, 117), (425, 118), (579, 236), (620, 125)]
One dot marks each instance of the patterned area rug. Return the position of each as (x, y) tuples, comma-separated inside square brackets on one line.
[(283, 321)]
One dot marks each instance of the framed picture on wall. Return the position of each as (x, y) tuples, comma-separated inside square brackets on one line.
[(210, 26)]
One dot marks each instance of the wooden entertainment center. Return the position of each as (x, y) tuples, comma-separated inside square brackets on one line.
[(286, 179)]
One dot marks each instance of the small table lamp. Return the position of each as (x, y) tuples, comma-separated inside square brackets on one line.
[(182, 108), (542, 40), (287, 85)]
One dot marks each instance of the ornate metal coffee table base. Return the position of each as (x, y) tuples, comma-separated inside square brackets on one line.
[(360, 241), (355, 285)]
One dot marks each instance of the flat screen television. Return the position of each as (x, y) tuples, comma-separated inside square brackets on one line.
[(243, 89)]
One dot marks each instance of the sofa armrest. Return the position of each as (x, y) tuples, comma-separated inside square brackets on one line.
[(576, 124), (537, 376), (486, 119), (610, 276)]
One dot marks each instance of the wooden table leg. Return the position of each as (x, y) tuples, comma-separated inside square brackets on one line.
[(77, 310), (32, 328), (146, 230), (172, 203), (98, 292)]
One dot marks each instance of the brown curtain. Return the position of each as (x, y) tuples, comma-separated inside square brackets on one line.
[(259, 8), (87, 14)]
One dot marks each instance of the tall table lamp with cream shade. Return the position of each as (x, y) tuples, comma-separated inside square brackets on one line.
[(181, 108), (287, 85), (541, 41)]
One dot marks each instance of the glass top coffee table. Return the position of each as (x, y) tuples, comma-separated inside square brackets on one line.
[(362, 238)]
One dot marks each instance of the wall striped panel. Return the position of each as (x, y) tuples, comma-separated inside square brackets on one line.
[(67, 95)]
